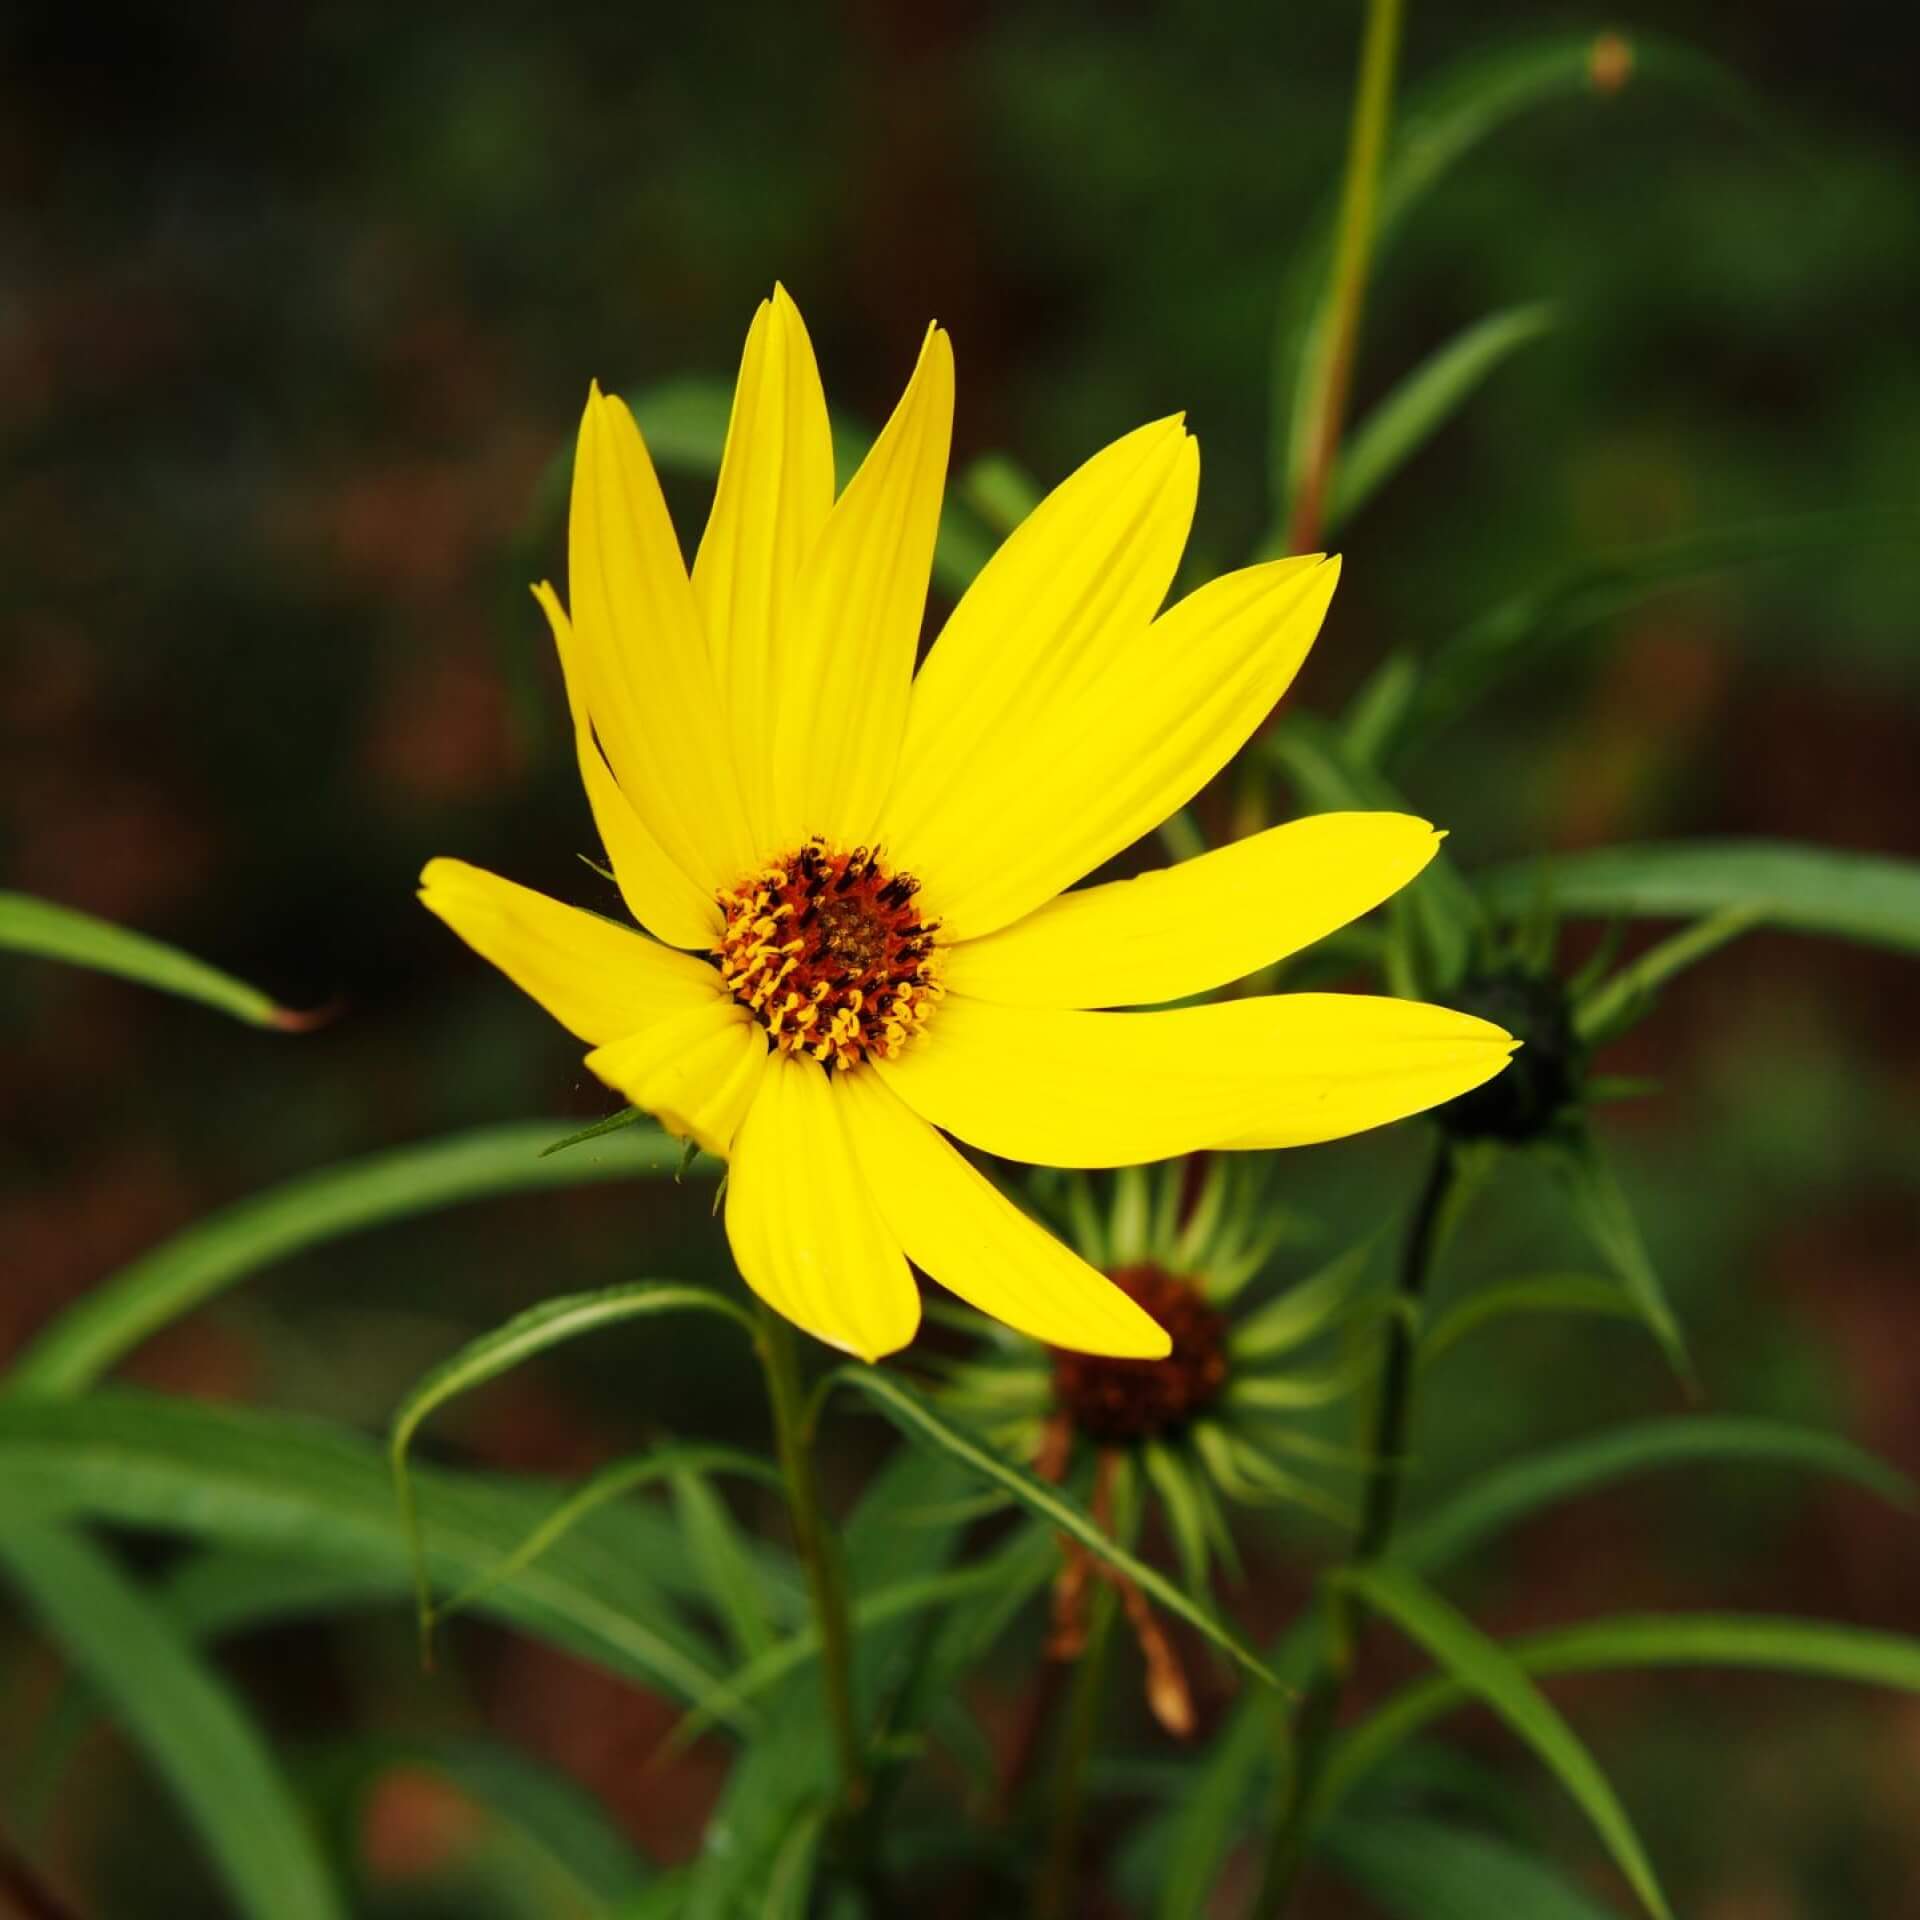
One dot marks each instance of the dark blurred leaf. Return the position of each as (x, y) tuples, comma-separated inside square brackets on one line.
[(550, 1324), (1485, 1669), (181, 1714), (1855, 896), (1509, 1493), (294, 1489), (1521, 634), (29, 925), (1415, 410), (1537, 1293), (1768, 1642), (188, 1270), (918, 1420), (1440, 123), (1427, 1870)]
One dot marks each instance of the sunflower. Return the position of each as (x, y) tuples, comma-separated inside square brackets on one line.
[(850, 875)]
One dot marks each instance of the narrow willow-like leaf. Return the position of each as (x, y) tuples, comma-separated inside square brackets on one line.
[(626, 1117), (790, 1876), (1510, 1493), (1522, 633), (291, 1489), (1427, 1870), (1186, 1521), (229, 1246), (1401, 424), (1438, 908), (714, 1545), (1610, 1009), (911, 1413), (536, 1330), (1294, 1317), (1485, 1669), (1537, 1293), (1771, 1643), (1851, 896), (1439, 124), (1604, 1212), (182, 1715), (614, 1481), (40, 927)]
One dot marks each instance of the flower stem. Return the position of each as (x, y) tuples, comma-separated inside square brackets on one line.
[(1053, 1893), (773, 1341), (1305, 1742), (1353, 251)]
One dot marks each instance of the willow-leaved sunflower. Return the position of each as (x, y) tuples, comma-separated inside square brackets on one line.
[(851, 876)]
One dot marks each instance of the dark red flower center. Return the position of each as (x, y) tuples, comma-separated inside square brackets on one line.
[(1116, 1401)]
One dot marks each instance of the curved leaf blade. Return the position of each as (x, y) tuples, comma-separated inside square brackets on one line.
[(188, 1722), (548, 1325), (1427, 1870), (238, 1241), (911, 1413), (52, 932), (1851, 896), (1508, 1494), (1486, 1670), (1536, 1293)]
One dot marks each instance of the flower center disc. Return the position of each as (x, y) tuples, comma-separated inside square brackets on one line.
[(1115, 1401), (825, 950)]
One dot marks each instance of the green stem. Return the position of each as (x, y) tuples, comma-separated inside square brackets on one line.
[(1353, 252), (1306, 1742), (773, 1341), (1053, 1894)]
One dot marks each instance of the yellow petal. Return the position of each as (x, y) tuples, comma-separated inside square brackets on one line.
[(803, 1226), (1066, 1088), (657, 893), (847, 658), (600, 981), (959, 1228), (648, 678), (1074, 777), (696, 1071), (774, 492), (1185, 929), (1083, 573)]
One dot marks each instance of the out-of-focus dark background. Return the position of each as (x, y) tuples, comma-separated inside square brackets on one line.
[(297, 305)]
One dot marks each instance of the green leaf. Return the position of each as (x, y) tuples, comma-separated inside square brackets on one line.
[(1438, 910), (1610, 1009), (1000, 491), (1304, 1310), (1765, 1642), (290, 1489), (29, 925), (1522, 632), (1851, 896), (790, 1877), (1427, 1870), (1498, 1499), (1486, 1670), (1409, 416), (626, 1117), (185, 1718), (912, 1414), (1537, 1293), (226, 1247), (533, 1332), (1609, 1222), (715, 1547)]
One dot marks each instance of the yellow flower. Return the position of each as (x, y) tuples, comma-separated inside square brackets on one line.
[(853, 874)]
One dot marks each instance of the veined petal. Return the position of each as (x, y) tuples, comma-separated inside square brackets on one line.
[(803, 1226), (1067, 1088), (648, 678), (773, 496), (658, 894), (696, 1071), (1071, 781), (1087, 569), (959, 1228), (599, 980), (847, 656), (1182, 930)]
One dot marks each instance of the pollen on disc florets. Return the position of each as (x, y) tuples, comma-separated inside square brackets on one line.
[(824, 948), (1113, 1401)]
